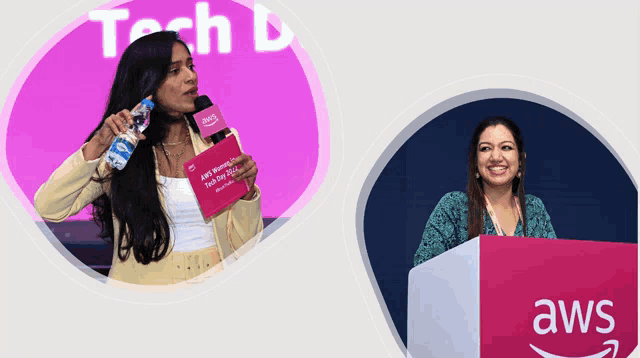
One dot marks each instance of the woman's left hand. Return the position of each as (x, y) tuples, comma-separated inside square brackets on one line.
[(248, 171)]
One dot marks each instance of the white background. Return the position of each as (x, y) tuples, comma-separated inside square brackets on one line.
[(305, 291)]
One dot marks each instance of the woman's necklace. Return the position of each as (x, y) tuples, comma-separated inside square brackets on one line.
[(176, 155), (176, 143)]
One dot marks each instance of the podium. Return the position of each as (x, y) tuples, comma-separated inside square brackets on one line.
[(497, 296)]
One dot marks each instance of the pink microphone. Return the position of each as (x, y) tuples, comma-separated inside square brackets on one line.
[(209, 119), (210, 172)]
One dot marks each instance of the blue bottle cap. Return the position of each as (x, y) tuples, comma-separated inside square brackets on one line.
[(147, 102)]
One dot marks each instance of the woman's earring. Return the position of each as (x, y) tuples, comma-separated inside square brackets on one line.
[(519, 172), (477, 176)]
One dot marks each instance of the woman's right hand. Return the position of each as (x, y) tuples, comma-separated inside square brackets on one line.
[(112, 127)]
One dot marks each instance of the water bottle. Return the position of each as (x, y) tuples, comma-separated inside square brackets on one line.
[(123, 145)]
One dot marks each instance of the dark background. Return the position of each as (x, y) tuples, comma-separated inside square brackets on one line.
[(585, 190)]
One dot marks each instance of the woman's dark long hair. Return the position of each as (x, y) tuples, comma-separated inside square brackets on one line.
[(133, 197), (475, 191)]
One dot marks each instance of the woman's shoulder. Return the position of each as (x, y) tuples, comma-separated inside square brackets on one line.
[(454, 199), (533, 203)]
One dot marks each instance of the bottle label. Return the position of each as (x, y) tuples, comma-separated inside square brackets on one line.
[(122, 147)]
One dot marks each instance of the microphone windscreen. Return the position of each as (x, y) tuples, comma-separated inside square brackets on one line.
[(202, 102)]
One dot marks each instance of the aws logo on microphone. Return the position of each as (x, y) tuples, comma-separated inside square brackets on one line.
[(210, 120), (192, 167), (545, 323)]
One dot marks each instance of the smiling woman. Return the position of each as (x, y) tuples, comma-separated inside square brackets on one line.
[(148, 209), (495, 191)]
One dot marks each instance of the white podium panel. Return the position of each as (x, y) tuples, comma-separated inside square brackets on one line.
[(443, 307)]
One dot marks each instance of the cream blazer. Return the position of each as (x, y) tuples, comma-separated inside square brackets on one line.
[(70, 189)]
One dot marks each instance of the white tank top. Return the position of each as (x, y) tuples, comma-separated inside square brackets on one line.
[(189, 230)]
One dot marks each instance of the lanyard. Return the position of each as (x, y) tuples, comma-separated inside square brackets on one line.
[(494, 218)]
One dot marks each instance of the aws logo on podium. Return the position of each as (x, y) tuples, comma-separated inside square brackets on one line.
[(550, 322)]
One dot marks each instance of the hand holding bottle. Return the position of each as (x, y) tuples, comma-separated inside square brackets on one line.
[(114, 125)]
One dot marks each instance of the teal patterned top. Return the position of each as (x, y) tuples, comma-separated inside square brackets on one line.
[(447, 225)]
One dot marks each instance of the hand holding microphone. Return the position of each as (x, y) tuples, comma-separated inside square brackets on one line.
[(212, 125)]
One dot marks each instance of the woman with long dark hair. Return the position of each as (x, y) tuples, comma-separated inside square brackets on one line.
[(495, 202), (148, 209)]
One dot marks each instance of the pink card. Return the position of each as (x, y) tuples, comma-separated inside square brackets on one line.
[(210, 176), (210, 121)]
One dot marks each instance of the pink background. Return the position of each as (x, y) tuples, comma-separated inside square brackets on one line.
[(516, 272), (273, 99)]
